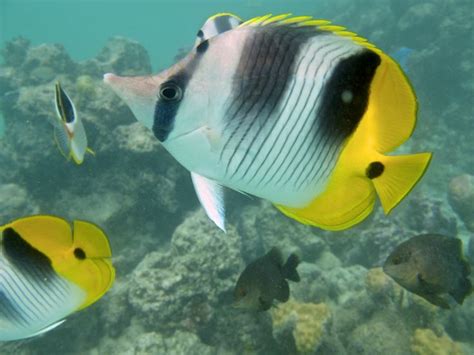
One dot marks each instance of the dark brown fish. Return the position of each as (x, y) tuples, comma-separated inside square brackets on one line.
[(431, 266), (264, 280)]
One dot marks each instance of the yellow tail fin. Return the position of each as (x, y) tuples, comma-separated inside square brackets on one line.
[(362, 170), (400, 175), (90, 264)]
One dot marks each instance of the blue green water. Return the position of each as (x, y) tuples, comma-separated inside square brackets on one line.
[(175, 269), (161, 26)]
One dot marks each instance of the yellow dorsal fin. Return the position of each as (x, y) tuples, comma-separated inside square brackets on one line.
[(49, 234), (308, 21)]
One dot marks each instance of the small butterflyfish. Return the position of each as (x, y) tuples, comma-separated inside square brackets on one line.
[(290, 109), (431, 266), (264, 280), (69, 133), (49, 269)]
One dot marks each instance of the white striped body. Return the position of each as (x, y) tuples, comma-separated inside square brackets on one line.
[(33, 298), (278, 153), (290, 109)]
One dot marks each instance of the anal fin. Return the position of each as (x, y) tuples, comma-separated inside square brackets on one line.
[(344, 203)]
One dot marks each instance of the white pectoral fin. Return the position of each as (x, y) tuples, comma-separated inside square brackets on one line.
[(47, 329), (211, 196)]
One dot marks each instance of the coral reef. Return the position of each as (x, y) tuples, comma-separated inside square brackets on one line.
[(426, 342), (461, 198), (307, 322), (176, 270)]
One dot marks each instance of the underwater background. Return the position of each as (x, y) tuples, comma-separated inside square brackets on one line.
[(175, 269)]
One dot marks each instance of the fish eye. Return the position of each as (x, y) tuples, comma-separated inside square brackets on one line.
[(397, 260), (242, 292), (171, 92)]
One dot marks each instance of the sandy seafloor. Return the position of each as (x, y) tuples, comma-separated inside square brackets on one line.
[(175, 269)]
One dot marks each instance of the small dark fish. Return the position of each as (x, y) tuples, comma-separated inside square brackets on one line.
[(264, 280), (431, 266)]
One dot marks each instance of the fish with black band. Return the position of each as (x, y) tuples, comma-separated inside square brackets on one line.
[(49, 269), (290, 109)]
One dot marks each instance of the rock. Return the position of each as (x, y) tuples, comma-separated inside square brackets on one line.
[(135, 138), (263, 227), (461, 198), (180, 343), (44, 62), (120, 56), (307, 323), (426, 342), (381, 288), (430, 215), (15, 203), (15, 51), (183, 288), (384, 333)]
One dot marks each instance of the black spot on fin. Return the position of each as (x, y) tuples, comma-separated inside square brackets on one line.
[(20, 253), (375, 169), (79, 253), (289, 269)]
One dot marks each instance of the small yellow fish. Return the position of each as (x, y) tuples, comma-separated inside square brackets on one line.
[(290, 109), (49, 269), (69, 133)]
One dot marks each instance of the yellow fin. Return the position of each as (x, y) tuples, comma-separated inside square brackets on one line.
[(399, 177), (334, 210), (392, 106), (82, 255), (308, 21), (49, 234), (362, 170), (88, 263), (90, 151)]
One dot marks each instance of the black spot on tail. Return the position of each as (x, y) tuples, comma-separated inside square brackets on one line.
[(375, 169), (79, 253)]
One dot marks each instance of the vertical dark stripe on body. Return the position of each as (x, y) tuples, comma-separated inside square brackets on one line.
[(339, 119), (270, 80), (285, 62), (166, 110), (30, 277), (260, 81), (33, 265), (328, 49), (64, 104)]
